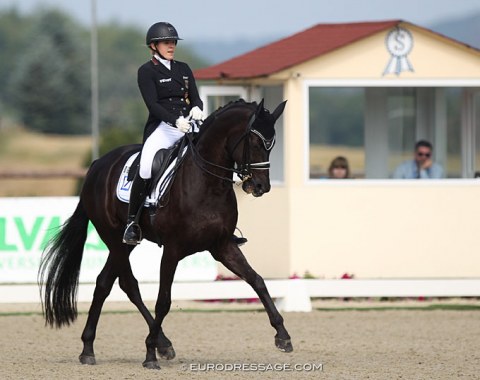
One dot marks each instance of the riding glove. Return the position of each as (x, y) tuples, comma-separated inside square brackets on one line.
[(196, 113), (182, 124)]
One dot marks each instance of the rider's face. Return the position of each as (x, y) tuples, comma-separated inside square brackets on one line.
[(167, 48)]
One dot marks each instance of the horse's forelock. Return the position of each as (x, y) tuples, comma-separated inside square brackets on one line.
[(264, 124)]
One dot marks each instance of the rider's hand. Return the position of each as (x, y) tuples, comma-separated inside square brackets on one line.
[(196, 113), (183, 125)]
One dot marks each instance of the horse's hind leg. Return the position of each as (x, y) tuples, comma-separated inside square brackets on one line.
[(234, 260), (129, 285), (103, 286), (116, 266)]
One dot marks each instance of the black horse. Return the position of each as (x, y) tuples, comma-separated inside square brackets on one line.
[(200, 214)]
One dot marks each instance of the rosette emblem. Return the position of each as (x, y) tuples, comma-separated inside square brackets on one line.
[(399, 42)]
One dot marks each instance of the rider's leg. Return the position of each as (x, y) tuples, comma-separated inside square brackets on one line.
[(162, 137), (133, 232)]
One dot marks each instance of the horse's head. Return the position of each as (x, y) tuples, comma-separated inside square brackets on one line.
[(252, 150), (247, 131)]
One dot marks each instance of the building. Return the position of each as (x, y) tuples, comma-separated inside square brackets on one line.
[(367, 91)]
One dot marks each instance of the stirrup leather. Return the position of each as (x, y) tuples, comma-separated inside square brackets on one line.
[(132, 234)]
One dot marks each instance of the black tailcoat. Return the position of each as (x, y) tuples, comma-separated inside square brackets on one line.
[(168, 94)]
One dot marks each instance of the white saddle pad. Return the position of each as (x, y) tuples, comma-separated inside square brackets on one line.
[(124, 185)]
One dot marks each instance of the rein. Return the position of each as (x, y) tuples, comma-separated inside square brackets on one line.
[(245, 169)]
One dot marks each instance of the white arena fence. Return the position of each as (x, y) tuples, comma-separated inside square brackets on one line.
[(290, 294)]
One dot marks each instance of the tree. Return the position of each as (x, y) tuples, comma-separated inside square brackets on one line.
[(12, 38), (50, 85), (45, 73)]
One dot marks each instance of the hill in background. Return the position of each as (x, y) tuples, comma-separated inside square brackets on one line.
[(465, 29)]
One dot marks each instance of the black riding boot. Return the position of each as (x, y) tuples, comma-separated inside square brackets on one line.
[(239, 240), (133, 232)]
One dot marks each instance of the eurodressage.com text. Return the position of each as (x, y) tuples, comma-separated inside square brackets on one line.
[(253, 367)]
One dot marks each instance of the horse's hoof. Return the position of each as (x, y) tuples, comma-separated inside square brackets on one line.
[(87, 359), (284, 345), (167, 353), (151, 364)]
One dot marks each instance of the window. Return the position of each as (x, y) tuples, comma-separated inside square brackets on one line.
[(214, 97), (376, 128)]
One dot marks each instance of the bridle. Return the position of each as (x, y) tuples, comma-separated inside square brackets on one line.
[(244, 170)]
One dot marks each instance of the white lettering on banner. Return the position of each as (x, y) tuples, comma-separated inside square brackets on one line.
[(27, 224)]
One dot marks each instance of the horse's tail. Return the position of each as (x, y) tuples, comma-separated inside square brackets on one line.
[(60, 269)]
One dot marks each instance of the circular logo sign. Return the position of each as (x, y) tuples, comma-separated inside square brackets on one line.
[(399, 42)]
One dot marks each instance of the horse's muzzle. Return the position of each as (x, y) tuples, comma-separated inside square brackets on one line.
[(254, 188)]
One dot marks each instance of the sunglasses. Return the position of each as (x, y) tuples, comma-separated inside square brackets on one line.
[(421, 154), (339, 167)]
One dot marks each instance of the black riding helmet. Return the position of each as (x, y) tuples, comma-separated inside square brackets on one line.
[(161, 31)]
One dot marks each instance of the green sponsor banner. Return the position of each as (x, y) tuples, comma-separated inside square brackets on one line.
[(27, 225)]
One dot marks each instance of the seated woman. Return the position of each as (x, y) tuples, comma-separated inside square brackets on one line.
[(339, 168)]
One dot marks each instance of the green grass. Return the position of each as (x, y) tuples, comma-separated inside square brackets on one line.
[(431, 307), (440, 306)]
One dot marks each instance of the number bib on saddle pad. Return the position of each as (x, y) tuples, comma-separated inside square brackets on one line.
[(124, 185)]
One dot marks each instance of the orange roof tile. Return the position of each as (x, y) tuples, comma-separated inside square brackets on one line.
[(293, 50)]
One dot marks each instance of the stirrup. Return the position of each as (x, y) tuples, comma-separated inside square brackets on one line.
[(239, 240), (132, 234)]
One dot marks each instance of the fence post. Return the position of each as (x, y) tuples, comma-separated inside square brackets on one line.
[(296, 297)]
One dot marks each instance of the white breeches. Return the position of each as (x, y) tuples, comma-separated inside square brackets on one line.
[(164, 136)]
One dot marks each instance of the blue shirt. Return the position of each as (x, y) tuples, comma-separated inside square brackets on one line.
[(409, 170)]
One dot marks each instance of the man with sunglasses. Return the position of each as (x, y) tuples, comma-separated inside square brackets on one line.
[(422, 166)]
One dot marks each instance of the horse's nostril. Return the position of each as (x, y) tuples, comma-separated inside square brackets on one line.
[(263, 189)]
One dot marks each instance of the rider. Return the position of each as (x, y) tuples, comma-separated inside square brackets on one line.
[(170, 93)]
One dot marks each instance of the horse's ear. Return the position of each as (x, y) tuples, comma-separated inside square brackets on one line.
[(260, 107), (279, 110)]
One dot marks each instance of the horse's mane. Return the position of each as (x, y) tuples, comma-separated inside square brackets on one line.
[(227, 107), (232, 104)]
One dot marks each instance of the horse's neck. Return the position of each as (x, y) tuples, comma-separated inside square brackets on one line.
[(212, 144), (212, 147)]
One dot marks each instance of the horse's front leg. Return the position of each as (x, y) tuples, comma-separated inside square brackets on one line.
[(234, 260), (156, 339)]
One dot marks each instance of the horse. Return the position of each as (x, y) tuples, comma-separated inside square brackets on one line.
[(200, 215)]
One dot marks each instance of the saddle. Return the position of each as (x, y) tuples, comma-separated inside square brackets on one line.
[(164, 169)]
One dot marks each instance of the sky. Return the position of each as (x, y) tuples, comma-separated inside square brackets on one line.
[(249, 19)]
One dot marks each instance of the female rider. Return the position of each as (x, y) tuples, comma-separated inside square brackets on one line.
[(170, 93)]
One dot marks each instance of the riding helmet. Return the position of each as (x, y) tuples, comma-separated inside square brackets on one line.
[(161, 31)]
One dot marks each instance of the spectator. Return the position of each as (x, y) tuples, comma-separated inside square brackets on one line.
[(421, 166), (339, 168)]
